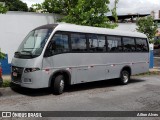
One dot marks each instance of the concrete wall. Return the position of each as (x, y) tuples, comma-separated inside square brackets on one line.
[(14, 26)]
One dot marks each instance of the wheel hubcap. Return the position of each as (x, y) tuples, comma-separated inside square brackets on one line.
[(61, 85), (125, 77)]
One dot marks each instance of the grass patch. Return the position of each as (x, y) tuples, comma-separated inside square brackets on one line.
[(148, 73), (6, 83)]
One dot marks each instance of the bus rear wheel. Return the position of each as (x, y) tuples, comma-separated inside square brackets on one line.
[(58, 85), (125, 77)]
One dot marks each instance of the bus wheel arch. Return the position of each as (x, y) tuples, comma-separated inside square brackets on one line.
[(125, 75), (66, 74)]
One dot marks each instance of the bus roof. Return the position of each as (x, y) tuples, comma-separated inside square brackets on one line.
[(96, 30)]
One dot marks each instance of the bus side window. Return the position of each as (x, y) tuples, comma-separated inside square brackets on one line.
[(141, 45), (129, 44), (114, 44), (58, 44), (78, 42), (97, 43)]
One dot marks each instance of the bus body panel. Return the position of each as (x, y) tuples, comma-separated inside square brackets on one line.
[(88, 67), (39, 79), (84, 70), (27, 63)]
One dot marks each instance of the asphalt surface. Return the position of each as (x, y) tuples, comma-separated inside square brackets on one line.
[(141, 94)]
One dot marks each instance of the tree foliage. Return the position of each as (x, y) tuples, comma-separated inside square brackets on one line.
[(2, 55), (90, 13), (55, 6), (147, 26), (81, 12), (15, 5), (3, 9)]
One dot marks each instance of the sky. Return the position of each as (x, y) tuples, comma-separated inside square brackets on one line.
[(125, 6)]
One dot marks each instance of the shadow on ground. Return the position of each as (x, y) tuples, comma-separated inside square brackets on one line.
[(73, 88)]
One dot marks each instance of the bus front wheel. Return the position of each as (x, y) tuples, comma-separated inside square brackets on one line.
[(125, 77), (58, 85)]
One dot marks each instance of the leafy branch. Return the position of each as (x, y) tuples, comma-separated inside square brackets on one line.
[(3, 9), (147, 26)]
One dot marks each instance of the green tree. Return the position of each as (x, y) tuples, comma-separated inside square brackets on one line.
[(3, 9), (2, 55), (90, 13), (31, 9), (15, 5), (81, 12), (55, 6), (147, 26)]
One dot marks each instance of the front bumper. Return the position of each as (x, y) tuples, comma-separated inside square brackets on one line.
[(37, 79)]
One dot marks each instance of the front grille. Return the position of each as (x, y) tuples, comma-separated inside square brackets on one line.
[(18, 71)]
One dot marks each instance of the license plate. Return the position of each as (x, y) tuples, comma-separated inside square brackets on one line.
[(14, 74)]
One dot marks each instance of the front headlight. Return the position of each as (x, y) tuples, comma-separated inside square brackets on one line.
[(31, 70)]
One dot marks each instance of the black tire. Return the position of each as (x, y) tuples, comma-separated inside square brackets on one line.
[(58, 85), (125, 77)]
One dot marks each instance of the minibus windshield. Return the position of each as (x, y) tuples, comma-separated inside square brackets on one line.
[(34, 43)]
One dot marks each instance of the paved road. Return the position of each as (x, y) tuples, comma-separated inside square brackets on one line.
[(142, 94)]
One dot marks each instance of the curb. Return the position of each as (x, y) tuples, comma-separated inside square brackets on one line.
[(157, 57), (155, 69)]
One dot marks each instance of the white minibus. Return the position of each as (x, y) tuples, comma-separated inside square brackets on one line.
[(57, 55)]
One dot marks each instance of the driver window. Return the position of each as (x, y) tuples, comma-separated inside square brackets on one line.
[(58, 44)]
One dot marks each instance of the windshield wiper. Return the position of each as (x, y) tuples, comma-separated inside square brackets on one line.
[(30, 53)]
